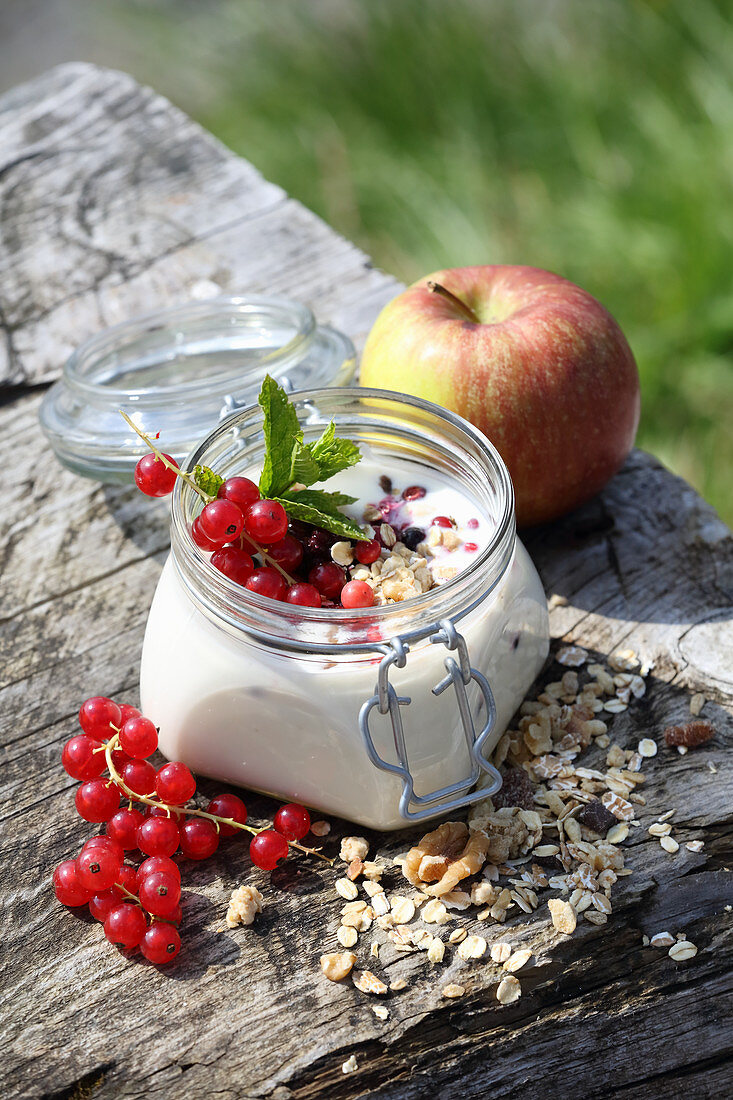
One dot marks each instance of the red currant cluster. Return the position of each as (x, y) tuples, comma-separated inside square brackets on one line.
[(110, 759)]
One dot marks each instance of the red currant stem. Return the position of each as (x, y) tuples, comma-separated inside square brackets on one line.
[(126, 893), (190, 811), (263, 554), (166, 462)]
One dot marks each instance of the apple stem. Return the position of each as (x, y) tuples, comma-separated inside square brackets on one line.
[(437, 288)]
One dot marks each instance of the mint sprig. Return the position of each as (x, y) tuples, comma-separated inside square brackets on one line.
[(290, 462)]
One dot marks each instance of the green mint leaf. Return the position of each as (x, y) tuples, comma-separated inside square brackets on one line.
[(333, 454), (303, 466), (207, 480), (281, 430), (322, 510)]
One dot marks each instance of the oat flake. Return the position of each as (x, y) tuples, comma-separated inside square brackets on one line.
[(509, 990), (452, 991), (682, 950)]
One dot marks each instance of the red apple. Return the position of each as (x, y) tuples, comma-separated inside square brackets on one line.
[(536, 363)]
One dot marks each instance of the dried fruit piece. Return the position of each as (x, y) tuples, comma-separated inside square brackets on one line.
[(516, 790), (690, 735), (594, 815), (337, 964)]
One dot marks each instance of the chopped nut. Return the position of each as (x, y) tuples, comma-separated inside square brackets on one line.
[(647, 747), (337, 965), (452, 991), (444, 857), (563, 916), (669, 844), (354, 869), (518, 960), (373, 870), (500, 952), (350, 1065), (353, 847), (320, 828), (347, 936), (509, 990), (346, 888), (436, 951), (682, 950), (366, 982), (695, 845), (473, 947), (244, 904), (662, 939), (403, 910)]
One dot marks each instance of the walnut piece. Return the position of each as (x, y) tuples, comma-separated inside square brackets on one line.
[(337, 964), (353, 847), (444, 857), (244, 904)]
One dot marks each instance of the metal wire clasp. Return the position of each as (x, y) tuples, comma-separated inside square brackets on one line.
[(459, 674)]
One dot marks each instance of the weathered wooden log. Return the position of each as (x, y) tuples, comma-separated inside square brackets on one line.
[(114, 202)]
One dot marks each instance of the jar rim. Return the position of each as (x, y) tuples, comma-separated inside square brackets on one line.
[(303, 628)]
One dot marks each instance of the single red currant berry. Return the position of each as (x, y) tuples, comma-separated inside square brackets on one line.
[(357, 594), (222, 521), (66, 885), (413, 492), (127, 712), (97, 715), (368, 552), (97, 869), (119, 759), (293, 821), (328, 578), (97, 800), (267, 582), (228, 805), (267, 848), (161, 943), (202, 540), (83, 758), (266, 521), (176, 915), (174, 783), (139, 776), (126, 925), (159, 894), (158, 864), (127, 878), (153, 477), (240, 490), (176, 813), (199, 838), (471, 547), (233, 563), (123, 827), (288, 553), (107, 842), (139, 737), (473, 524), (441, 521), (158, 836), (304, 595), (101, 904)]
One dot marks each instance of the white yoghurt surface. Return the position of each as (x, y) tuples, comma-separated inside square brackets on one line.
[(243, 712)]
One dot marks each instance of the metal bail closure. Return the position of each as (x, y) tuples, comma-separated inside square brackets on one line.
[(459, 674)]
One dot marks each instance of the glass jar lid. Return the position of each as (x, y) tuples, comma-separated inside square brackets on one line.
[(179, 371)]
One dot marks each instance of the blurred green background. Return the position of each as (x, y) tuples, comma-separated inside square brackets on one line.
[(590, 137)]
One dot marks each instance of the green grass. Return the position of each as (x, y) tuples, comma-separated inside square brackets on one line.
[(588, 137)]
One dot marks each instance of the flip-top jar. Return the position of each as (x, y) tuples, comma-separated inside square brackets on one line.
[(382, 714)]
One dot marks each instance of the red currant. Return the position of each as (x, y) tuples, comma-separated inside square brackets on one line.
[(202, 540), (357, 594), (97, 800), (82, 757), (101, 904), (161, 943), (240, 490), (288, 553), (328, 578), (119, 759), (97, 715), (471, 547), (228, 805), (97, 869), (473, 524), (127, 712), (267, 848), (174, 783), (267, 582), (127, 878), (292, 821), (266, 521), (159, 894), (368, 552), (155, 864), (153, 477), (413, 492), (107, 842), (123, 827), (319, 543), (158, 836), (125, 924), (66, 884), (233, 563), (222, 521), (441, 521), (139, 737), (199, 838), (304, 595), (139, 776)]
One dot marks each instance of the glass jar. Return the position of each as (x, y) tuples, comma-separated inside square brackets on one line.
[(381, 715)]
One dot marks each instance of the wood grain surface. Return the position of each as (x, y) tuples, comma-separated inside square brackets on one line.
[(112, 201)]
